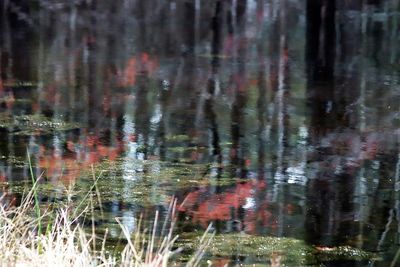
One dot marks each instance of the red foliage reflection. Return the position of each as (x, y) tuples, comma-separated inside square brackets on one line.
[(80, 157), (205, 207)]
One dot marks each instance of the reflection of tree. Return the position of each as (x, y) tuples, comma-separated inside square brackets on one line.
[(386, 197), (320, 57), (213, 80), (342, 151), (188, 31), (143, 112), (260, 196), (261, 101), (164, 101), (94, 88), (238, 148)]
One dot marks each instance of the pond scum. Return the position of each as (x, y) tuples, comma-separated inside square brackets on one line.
[(57, 234), (24, 241), (58, 238)]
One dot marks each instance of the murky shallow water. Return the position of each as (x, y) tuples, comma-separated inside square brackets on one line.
[(251, 114)]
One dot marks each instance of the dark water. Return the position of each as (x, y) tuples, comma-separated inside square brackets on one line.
[(273, 118)]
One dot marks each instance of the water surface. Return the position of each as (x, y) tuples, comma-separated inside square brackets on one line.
[(270, 118)]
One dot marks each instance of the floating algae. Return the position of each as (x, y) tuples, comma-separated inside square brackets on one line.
[(343, 253), (16, 162), (177, 138), (20, 84), (147, 182), (135, 182), (293, 252), (5, 120), (31, 124)]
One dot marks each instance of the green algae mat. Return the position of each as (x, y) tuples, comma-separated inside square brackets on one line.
[(292, 252)]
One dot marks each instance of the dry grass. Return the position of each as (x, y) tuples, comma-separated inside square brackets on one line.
[(65, 243)]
